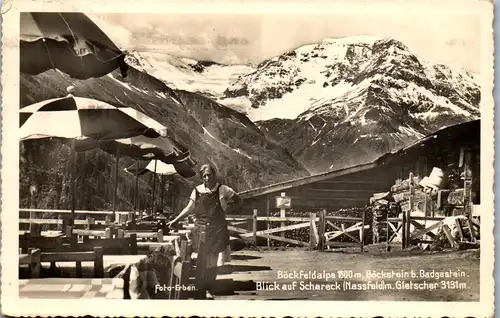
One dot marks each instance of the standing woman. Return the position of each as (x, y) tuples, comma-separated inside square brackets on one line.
[(210, 202)]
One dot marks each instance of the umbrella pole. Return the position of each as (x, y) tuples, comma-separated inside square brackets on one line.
[(162, 189), (73, 182), (136, 190), (154, 190), (115, 193)]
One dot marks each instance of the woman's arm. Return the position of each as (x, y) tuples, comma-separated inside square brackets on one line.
[(188, 209), (234, 201)]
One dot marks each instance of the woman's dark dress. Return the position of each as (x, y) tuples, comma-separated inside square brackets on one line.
[(209, 212)]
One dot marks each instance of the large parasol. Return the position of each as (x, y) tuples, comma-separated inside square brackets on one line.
[(78, 117), (185, 169), (69, 42), (146, 146)]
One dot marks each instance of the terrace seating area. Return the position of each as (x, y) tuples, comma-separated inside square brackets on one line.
[(98, 249)]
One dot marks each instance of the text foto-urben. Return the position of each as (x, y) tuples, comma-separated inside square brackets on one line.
[(164, 288)]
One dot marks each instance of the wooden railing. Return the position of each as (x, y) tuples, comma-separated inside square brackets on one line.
[(86, 212), (323, 230)]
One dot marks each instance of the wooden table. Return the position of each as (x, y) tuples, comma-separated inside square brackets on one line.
[(68, 288)]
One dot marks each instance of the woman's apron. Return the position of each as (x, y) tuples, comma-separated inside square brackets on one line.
[(209, 213)]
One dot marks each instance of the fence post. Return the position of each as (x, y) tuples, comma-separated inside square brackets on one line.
[(254, 226), (268, 214), (403, 230), (388, 233), (362, 232), (283, 215), (411, 203), (408, 229), (321, 230), (312, 236)]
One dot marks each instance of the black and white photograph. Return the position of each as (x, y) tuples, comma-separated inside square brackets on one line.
[(281, 156)]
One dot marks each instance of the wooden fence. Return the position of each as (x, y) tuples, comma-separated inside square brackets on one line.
[(401, 226), (324, 231)]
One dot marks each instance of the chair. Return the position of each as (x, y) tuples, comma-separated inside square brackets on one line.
[(179, 278)]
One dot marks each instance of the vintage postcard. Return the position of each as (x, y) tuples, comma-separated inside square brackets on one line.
[(247, 158)]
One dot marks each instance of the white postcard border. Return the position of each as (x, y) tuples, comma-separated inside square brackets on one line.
[(10, 181)]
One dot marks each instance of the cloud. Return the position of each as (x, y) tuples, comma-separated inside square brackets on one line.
[(445, 38), (230, 57), (224, 41), (118, 33)]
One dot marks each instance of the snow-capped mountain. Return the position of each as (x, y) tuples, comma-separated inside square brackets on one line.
[(206, 77), (345, 101)]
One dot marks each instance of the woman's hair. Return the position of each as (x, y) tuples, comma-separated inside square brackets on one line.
[(207, 167)]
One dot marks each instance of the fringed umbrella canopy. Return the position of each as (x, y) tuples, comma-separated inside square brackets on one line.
[(70, 42), (185, 168), (77, 117)]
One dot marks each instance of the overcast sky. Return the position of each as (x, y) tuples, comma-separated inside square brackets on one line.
[(230, 38)]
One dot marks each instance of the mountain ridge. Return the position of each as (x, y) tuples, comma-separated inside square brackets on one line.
[(369, 97)]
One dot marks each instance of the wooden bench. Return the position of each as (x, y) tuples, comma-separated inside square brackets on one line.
[(45, 244), (35, 258), (114, 246), (123, 246)]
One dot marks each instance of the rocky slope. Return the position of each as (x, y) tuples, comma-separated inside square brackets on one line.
[(346, 101), (213, 133)]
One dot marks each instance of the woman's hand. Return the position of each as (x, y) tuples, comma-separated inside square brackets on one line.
[(171, 223)]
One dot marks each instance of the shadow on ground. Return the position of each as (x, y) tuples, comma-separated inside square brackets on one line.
[(231, 269), (242, 257), (228, 287)]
